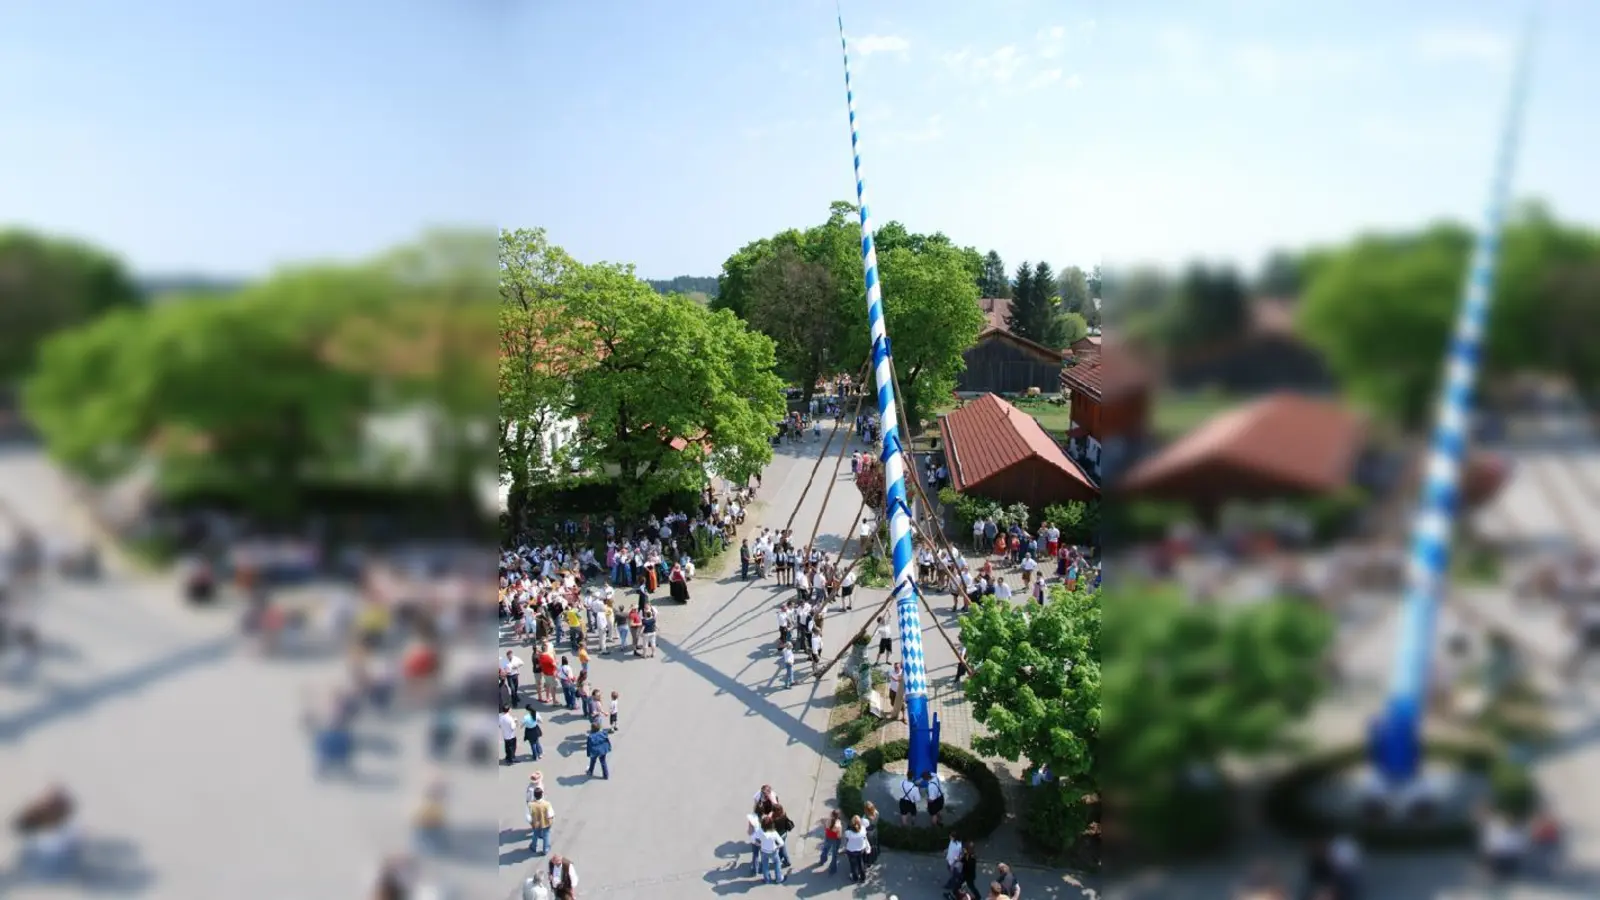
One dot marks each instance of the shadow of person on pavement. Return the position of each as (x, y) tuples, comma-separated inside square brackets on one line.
[(106, 865)]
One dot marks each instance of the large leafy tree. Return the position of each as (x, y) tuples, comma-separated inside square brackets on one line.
[(1382, 308), (930, 290), (539, 355), (668, 386), (1186, 686), (793, 301), (49, 284), (1072, 285), (1036, 688)]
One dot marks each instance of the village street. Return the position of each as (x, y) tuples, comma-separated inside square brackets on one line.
[(708, 722), (185, 752)]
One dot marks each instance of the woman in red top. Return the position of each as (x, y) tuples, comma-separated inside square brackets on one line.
[(679, 585), (547, 675), (832, 834)]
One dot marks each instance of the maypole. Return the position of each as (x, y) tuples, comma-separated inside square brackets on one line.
[(1396, 735), (922, 754)]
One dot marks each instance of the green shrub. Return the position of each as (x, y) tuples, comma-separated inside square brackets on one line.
[(979, 822), (1141, 521), (1284, 803), (1054, 819), (1079, 522)]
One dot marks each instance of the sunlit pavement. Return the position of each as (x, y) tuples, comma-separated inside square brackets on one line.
[(185, 751)]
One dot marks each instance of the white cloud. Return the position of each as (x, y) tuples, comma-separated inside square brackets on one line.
[(1057, 33), (1482, 46), (999, 67), (879, 43), (1044, 79), (1074, 81)]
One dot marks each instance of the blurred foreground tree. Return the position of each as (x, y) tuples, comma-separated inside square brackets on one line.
[(264, 395), (1187, 686), (1036, 686), (1383, 307), (48, 284)]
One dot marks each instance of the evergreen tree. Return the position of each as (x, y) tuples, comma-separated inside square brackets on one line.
[(993, 281), (1033, 303)]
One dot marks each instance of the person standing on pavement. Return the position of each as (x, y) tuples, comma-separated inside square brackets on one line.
[(563, 876), (636, 626), (598, 744), (856, 847), (869, 815), (847, 589), (511, 668), (547, 675), (885, 634), (771, 843), (648, 618), (541, 815), (786, 658), (569, 684), (508, 735), (744, 560), (532, 731), (832, 839)]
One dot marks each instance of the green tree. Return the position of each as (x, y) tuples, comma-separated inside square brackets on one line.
[(1065, 328), (1035, 685), (1072, 285), (670, 387), (793, 300), (993, 282), (1185, 687), (1212, 306), (1280, 275), (1026, 316), (1382, 308), (49, 284), (933, 317), (538, 357)]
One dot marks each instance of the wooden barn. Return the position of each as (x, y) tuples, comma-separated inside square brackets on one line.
[(1110, 396), (1268, 357), (998, 452), (1003, 363)]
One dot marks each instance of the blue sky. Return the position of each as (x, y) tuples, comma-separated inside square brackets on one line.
[(227, 137), (1071, 130)]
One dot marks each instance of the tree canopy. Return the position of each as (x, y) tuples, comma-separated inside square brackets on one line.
[(1382, 307), (659, 386), (261, 395), (1035, 685), (1186, 686), (930, 292), (50, 284)]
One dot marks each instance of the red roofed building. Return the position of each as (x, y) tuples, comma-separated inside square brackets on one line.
[(1283, 445), (998, 452), (1110, 397)]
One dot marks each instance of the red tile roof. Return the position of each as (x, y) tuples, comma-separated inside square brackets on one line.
[(1103, 375), (989, 436), (1282, 443), (995, 309)]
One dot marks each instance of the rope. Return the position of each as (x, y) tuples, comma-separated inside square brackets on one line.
[(837, 462), (861, 398)]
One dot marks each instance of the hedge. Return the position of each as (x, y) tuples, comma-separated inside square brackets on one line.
[(979, 822), (1512, 787)]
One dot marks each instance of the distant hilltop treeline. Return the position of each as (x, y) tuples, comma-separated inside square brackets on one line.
[(157, 286), (686, 284)]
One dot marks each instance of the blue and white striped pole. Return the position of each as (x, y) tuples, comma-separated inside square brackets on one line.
[(923, 753), (1396, 737)]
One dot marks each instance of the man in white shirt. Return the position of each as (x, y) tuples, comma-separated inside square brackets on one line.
[(935, 789), (885, 633), (847, 589), (511, 667), (909, 795), (508, 735), (1002, 591), (977, 536)]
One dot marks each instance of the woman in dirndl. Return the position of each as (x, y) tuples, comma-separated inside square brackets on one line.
[(679, 585)]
